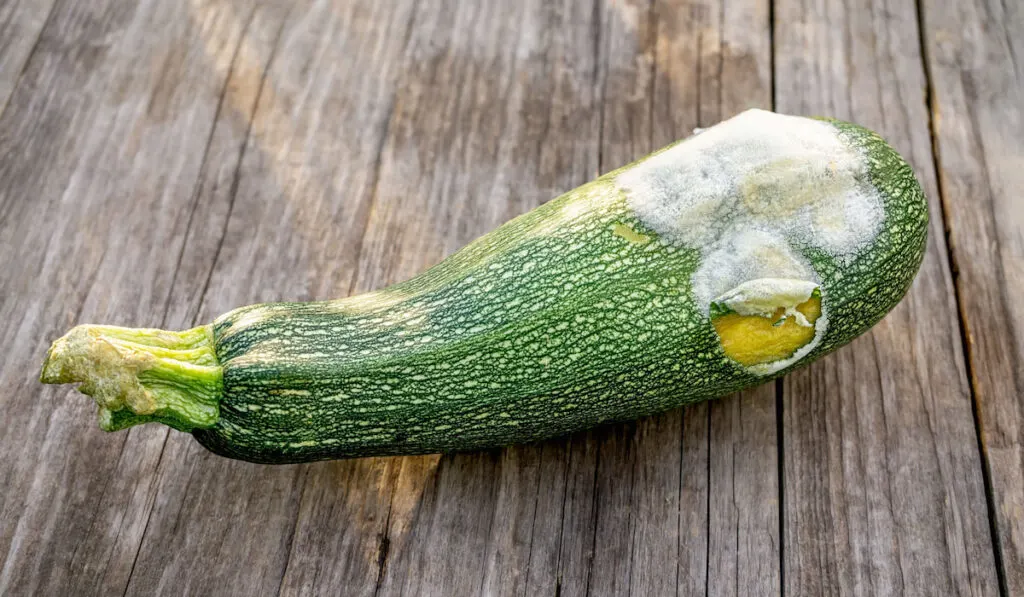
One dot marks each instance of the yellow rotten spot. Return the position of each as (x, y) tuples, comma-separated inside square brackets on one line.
[(768, 324), (760, 338)]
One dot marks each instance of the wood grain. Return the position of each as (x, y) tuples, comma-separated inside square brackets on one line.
[(975, 54), (99, 165), (161, 163), (883, 485), (289, 222), (734, 45), (636, 472), (21, 27)]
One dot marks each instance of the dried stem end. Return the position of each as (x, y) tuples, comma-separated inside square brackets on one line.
[(139, 375)]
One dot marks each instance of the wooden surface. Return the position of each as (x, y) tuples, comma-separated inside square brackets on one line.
[(163, 162)]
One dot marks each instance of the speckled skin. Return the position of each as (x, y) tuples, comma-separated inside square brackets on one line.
[(552, 323)]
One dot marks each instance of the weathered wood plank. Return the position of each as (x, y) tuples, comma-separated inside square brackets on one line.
[(679, 56), (713, 61), (975, 54), (21, 27), (743, 538), (645, 455), (495, 119), (883, 490), (625, 482), (179, 519), (240, 64), (292, 217), (743, 505), (103, 142)]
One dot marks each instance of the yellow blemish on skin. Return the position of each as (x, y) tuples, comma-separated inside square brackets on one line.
[(252, 316), (581, 203), (756, 339), (624, 231), (371, 302), (289, 392)]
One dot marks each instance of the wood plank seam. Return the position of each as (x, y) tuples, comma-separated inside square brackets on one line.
[(780, 392), (954, 269), (651, 48), (707, 501), (986, 471), (233, 193), (721, 69), (290, 545), (708, 446), (595, 514), (149, 517), (384, 551), (699, 63), (652, 26), (1009, 41), (771, 79), (889, 492), (561, 517), (599, 84), (779, 437), (90, 283), (632, 492), (679, 490), (490, 528), (533, 526), (95, 514)]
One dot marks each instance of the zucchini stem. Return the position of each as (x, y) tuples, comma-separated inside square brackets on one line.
[(139, 375)]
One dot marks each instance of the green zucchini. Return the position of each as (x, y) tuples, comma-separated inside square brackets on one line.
[(713, 265)]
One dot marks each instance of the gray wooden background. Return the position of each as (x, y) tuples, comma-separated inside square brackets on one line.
[(164, 161)]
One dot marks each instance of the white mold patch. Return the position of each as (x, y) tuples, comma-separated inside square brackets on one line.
[(764, 296), (744, 255), (753, 190)]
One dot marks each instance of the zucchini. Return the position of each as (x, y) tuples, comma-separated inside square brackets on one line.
[(712, 265)]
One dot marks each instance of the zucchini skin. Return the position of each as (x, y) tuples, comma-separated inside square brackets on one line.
[(553, 323)]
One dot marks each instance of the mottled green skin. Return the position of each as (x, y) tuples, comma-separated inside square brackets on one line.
[(546, 326)]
